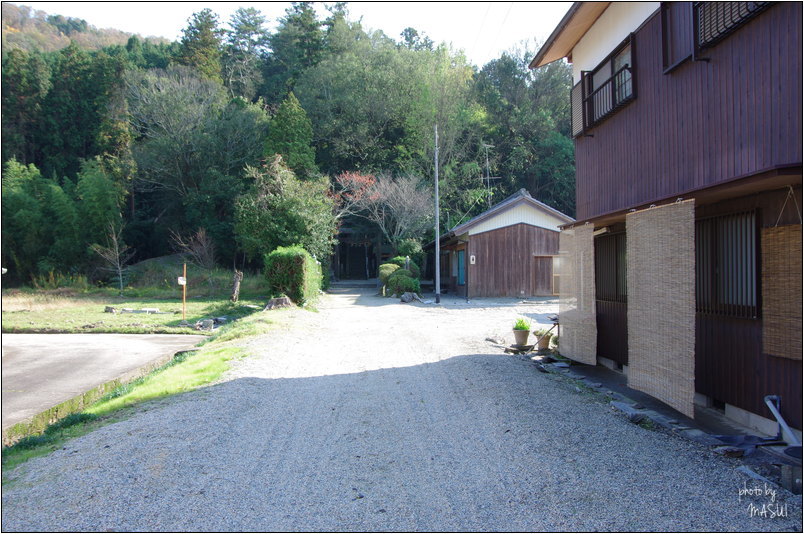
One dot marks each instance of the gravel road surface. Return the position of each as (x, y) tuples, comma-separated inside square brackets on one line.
[(377, 416)]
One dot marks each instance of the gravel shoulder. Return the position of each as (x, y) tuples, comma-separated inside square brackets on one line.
[(376, 416)]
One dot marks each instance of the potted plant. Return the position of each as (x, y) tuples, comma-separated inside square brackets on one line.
[(544, 338), (521, 331)]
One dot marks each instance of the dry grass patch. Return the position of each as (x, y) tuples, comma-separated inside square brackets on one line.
[(57, 299)]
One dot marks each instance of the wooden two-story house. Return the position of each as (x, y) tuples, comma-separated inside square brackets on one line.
[(684, 268)]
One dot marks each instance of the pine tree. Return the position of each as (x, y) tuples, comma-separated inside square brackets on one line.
[(201, 45)]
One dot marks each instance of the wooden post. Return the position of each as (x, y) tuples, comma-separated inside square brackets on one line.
[(184, 295)]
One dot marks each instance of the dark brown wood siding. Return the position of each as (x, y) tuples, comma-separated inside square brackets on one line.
[(729, 364), (506, 259), (612, 330), (611, 295), (702, 124)]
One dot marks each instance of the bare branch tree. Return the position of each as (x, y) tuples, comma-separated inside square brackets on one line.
[(116, 254), (199, 247), (401, 207), (349, 192)]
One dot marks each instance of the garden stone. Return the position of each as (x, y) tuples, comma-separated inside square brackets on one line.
[(205, 324)]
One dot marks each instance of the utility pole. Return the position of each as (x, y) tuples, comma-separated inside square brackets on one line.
[(437, 232)]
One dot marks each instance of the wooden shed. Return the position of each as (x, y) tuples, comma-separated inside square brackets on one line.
[(510, 250)]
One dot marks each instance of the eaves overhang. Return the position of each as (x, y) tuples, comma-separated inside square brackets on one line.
[(580, 17)]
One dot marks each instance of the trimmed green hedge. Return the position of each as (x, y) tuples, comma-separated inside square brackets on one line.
[(292, 271), (386, 270), (403, 284), (400, 272), (412, 267)]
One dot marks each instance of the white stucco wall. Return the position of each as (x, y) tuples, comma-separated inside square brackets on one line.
[(523, 213), (613, 26)]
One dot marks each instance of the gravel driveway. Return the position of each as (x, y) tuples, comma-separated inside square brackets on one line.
[(373, 415)]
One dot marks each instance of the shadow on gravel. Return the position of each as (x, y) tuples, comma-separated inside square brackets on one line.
[(470, 443)]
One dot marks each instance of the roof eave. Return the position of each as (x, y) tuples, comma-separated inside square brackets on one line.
[(504, 206), (580, 17)]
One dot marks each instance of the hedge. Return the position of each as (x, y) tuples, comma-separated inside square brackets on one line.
[(412, 267), (403, 284), (400, 272), (386, 270), (292, 271)]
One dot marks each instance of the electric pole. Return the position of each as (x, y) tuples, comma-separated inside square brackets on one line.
[(437, 232)]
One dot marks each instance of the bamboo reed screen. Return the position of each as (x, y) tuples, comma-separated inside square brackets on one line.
[(781, 291), (576, 305), (661, 303)]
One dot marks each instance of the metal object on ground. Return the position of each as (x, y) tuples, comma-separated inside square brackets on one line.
[(774, 402)]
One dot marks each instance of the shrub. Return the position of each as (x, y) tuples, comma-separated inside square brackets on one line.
[(400, 272), (412, 267), (403, 284), (522, 324), (293, 271), (386, 270), (413, 248), (58, 280)]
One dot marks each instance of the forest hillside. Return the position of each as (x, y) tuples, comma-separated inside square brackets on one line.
[(111, 140)]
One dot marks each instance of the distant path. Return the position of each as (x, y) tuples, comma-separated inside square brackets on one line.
[(43, 370), (371, 415)]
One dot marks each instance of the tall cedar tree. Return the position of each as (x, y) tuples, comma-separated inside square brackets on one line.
[(82, 84), (297, 45), (291, 135), (26, 81), (245, 45), (201, 45)]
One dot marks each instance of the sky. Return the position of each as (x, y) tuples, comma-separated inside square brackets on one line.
[(483, 30)]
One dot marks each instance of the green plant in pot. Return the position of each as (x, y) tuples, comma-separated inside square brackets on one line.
[(544, 338), (521, 331)]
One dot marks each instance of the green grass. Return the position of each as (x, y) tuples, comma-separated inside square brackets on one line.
[(69, 304), (50, 312), (190, 371), (187, 371), (52, 439)]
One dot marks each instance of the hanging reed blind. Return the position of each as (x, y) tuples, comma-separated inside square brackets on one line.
[(781, 291), (576, 305), (661, 303)]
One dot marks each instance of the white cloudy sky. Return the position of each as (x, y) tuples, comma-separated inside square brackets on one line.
[(482, 29)]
